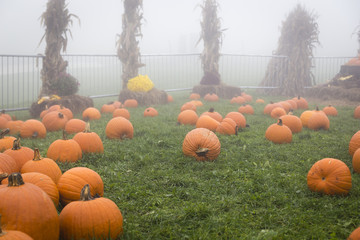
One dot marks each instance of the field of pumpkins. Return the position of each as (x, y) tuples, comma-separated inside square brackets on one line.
[(250, 167)]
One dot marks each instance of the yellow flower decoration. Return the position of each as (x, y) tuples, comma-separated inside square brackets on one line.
[(141, 83)]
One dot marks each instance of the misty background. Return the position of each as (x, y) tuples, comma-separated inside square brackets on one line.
[(173, 26)]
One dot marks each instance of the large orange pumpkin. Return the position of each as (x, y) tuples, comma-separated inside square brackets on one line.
[(293, 122), (239, 118), (188, 106), (32, 128), (74, 179), (80, 219), (301, 102), (305, 116), (64, 150), (89, 142), (330, 110), (107, 108), (187, 117), (278, 133), (67, 112), (27, 208), (329, 176), (150, 112), (119, 128), (357, 112), (354, 143), (20, 154), (211, 97), (91, 113), (194, 96), (227, 127), (42, 165), (74, 126), (238, 100), (54, 121), (121, 112), (13, 234), (246, 109), (212, 113), (208, 122), (318, 120), (202, 144), (277, 112), (14, 126), (7, 164), (130, 103)]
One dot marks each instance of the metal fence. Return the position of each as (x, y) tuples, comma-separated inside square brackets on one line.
[(100, 75)]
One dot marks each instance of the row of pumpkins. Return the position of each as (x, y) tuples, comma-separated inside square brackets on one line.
[(200, 143)]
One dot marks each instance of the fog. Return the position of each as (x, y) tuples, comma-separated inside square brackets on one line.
[(173, 26)]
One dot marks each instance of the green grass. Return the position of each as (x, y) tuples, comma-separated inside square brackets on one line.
[(254, 190)]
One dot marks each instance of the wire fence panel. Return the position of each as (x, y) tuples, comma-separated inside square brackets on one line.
[(100, 75)]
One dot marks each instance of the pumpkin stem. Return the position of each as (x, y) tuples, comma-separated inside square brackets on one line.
[(16, 145), (4, 132), (291, 112), (317, 108), (3, 176), (201, 152), (85, 194), (64, 135), (280, 123), (37, 156), (299, 97), (211, 109), (87, 127), (15, 180), (61, 115)]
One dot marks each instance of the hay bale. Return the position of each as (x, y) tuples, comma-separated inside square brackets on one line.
[(152, 97), (222, 90), (76, 103)]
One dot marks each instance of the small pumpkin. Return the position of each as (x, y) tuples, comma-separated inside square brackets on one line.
[(211, 97), (292, 103), (278, 133), (260, 100), (188, 106), (20, 154), (247, 97), (33, 128), (286, 106), (74, 126), (130, 103), (355, 235), (301, 102), (64, 150), (227, 127), (107, 108), (170, 98), (329, 176), (194, 96), (330, 111), (5, 115), (246, 109), (354, 143), (12, 234), (208, 122), (277, 112), (212, 113), (202, 144), (40, 221), (67, 112), (73, 180), (117, 104), (237, 100), (42, 181), (197, 103), (89, 142), (3, 122), (355, 161), (121, 112), (239, 118), (187, 117), (357, 112), (91, 113), (119, 128), (293, 122), (305, 116), (150, 112), (79, 219), (6, 142), (270, 106), (318, 120), (54, 121), (42, 165)]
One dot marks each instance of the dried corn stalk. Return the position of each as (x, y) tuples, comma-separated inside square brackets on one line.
[(128, 50), (56, 20), (211, 34), (299, 34)]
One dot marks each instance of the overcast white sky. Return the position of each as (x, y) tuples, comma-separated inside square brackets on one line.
[(173, 26)]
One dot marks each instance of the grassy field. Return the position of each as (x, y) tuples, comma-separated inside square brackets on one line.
[(254, 190)]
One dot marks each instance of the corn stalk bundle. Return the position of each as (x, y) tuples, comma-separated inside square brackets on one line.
[(299, 34), (128, 50), (211, 34), (56, 20)]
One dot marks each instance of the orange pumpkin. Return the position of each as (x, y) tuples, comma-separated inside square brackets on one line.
[(40, 221), (42, 181), (270, 106), (286, 106), (170, 98), (278, 133), (357, 112), (42, 165), (33, 128), (239, 119), (188, 106), (77, 220), (20, 154), (292, 103), (355, 161), (7, 164), (107, 108), (208, 122), (121, 112), (277, 112), (211, 97), (130, 103), (260, 100), (64, 150), (91, 113), (293, 122), (215, 115), (330, 111), (354, 143), (73, 180), (202, 144), (227, 127), (67, 112), (150, 112), (246, 109), (301, 102), (14, 126), (13, 234), (54, 121), (74, 126), (305, 116), (237, 100), (89, 141), (247, 97), (194, 96), (6, 142), (117, 104), (187, 117), (329, 176), (318, 120), (119, 128), (355, 235), (5, 115), (3, 122)]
